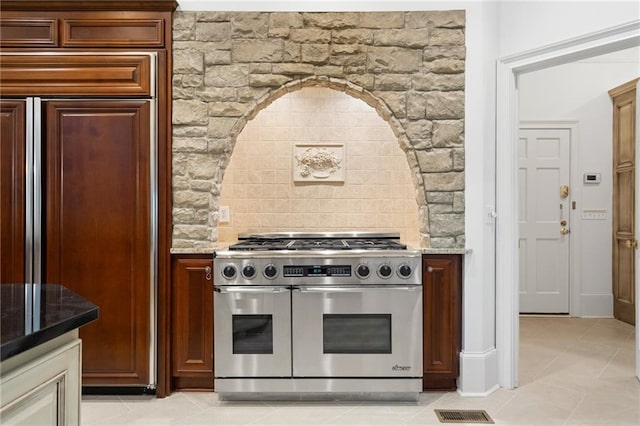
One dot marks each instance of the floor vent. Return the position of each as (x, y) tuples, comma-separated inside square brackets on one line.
[(463, 416)]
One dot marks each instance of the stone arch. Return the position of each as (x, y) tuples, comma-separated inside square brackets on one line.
[(354, 91), (409, 66)]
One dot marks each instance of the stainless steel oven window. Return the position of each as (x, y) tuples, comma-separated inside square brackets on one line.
[(252, 334), (356, 333)]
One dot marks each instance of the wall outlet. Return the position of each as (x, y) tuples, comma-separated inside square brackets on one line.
[(225, 215)]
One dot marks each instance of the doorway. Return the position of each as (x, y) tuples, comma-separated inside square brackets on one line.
[(507, 262)]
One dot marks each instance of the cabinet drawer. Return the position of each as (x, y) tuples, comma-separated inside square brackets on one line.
[(28, 32), (113, 32), (25, 75)]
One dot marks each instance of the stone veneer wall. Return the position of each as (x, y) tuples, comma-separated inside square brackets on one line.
[(409, 66)]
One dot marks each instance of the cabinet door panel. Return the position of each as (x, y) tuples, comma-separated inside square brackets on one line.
[(98, 232), (442, 322), (192, 331), (113, 32), (34, 32), (12, 191), (79, 74)]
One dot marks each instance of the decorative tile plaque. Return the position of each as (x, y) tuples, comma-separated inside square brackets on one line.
[(318, 163)]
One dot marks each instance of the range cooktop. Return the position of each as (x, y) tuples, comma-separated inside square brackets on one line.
[(319, 241)]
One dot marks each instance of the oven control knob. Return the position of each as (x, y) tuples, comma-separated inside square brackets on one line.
[(405, 270), (362, 271), (229, 272), (385, 271), (270, 271), (248, 271)]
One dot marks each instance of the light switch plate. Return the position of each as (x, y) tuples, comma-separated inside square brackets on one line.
[(225, 215), (594, 214)]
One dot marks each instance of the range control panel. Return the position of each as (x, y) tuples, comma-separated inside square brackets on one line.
[(316, 270), (398, 267)]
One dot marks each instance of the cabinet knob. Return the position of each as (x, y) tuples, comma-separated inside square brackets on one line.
[(207, 273), (429, 269)]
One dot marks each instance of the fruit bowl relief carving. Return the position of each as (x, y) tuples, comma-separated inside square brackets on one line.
[(318, 163)]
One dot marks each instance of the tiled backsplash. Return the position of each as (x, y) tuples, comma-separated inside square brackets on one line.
[(258, 186)]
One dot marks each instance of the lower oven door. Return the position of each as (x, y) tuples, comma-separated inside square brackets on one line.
[(357, 331), (252, 335)]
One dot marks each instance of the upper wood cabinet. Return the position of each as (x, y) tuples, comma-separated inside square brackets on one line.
[(82, 32), (76, 74), (83, 24), (28, 32)]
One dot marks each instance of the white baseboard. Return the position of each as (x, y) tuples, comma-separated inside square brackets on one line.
[(478, 373), (596, 305)]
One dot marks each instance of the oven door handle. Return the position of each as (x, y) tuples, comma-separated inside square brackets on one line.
[(354, 288), (253, 289)]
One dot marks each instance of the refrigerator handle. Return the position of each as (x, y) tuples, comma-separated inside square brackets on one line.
[(28, 184), (37, 190)]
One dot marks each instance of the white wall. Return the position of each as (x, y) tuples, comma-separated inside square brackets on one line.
[(526, 25), (578, 92), (493, 29)]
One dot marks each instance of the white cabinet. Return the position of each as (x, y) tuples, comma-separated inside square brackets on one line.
[(42, 385)]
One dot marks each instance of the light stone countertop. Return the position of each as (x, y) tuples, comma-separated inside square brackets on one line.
[(434, 250), (224, 246), (197, 250)]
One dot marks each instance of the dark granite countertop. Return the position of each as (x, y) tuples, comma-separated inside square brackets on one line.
[(56, 310)]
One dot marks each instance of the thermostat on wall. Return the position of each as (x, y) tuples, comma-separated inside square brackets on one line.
[(592, 178)]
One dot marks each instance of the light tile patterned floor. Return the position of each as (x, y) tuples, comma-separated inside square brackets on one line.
[(573, 371)]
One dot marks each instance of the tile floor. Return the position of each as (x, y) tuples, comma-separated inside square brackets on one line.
[(573, 371)]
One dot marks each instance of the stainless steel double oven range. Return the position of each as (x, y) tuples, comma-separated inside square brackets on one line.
[(318, 315)]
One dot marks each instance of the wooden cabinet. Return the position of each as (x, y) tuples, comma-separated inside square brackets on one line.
[(442, 282), (192, 322), (104, 83), (89, 220), (12, 191), (97, 231)]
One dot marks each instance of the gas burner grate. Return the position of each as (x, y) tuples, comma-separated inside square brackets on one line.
[(463, 416), (271, 243)]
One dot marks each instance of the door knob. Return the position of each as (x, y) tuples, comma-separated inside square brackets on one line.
[(564, 230), (631, 244), (563, 223)]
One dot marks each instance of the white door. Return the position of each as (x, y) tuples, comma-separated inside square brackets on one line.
[(544, 160)]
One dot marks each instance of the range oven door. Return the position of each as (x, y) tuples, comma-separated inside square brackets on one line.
[(252, 331), (357, 331)]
